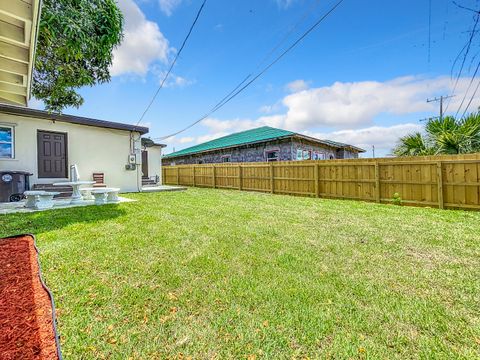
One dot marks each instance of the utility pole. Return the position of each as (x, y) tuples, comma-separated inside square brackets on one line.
[(373, 151), (441, 98)]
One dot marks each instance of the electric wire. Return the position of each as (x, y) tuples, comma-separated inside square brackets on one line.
[(239, 90), (173, 63)]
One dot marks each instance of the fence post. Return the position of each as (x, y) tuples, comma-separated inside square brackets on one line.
[(178, 176), (272, 184), (377, 182), (240, 177), (317, 187), (440, 184), (214, 177), (193, 169)]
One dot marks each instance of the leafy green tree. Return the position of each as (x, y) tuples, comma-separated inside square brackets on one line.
[(443, 136), (74, 49)]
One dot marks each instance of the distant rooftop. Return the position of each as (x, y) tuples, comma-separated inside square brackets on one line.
[(253, 136)]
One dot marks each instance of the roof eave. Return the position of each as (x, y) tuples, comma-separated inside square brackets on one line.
[(44, 115), (343, 146), (20, 24)]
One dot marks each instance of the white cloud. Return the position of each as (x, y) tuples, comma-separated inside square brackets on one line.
[(383, 138), (284, 4), (296, 86), (186, 140), (142, 45), (208, 137), (167, 6), (173, 80), (349, 112), (355, 104)]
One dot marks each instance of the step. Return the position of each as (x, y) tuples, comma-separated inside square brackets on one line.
[(65, 191), (148, 182)]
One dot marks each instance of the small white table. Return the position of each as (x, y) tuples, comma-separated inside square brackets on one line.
[(76, 196)]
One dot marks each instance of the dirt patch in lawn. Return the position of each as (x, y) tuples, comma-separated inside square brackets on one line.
[(26, 322)]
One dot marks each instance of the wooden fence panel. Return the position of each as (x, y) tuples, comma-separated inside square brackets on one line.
[(442, 181)]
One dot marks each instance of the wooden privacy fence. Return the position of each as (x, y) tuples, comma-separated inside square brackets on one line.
[(441, 181)]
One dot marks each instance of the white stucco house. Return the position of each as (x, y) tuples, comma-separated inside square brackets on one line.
[(46, 144)]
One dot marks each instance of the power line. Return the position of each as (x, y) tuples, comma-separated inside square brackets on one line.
[(263, 71), (471, 99), (271, 52), (429, 29), (466, 49), (441, 98), (173, 63), (468, 89)]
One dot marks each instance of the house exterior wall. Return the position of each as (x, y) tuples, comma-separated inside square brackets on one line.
[(288, 149), (253, 153), (93, 149), (154, 154), (327, 152)]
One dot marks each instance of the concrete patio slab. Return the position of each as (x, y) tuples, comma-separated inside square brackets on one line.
[(160, 188), (19, 207)]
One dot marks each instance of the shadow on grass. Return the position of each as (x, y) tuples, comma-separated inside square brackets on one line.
[(44, 221)]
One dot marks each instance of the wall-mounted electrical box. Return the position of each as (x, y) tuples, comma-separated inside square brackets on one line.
[(132, 159)]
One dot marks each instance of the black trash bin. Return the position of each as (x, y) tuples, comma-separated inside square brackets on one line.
[(13, 184)]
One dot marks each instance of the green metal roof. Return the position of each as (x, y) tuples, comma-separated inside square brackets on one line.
[(245, 137), (260, 134)]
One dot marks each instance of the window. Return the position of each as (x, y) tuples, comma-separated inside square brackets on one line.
[(318, 156), (272, 155), (6, 142), (226, 158), (307, 155)]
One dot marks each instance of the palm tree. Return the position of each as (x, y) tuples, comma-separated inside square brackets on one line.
[(413, 145), (443, 136)]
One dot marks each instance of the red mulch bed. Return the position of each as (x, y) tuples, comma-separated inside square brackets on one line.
[(26, 321)]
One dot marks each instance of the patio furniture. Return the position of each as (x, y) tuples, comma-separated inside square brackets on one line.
[(99, 179), (87, 193), (76, 196), (46, 200), (39, 200), (32, 198), (105, 195)]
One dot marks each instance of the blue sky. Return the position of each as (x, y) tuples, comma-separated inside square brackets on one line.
[(361, 77)]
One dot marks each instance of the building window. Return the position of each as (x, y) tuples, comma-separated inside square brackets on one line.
[(307, 155), (318, 156), (226, 158), (6, 142), (272, 155)]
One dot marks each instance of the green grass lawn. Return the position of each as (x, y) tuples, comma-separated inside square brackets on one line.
[(231, 275)]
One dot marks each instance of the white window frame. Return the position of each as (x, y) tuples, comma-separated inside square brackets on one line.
[(272, 151), (12, 128), (229, 157)]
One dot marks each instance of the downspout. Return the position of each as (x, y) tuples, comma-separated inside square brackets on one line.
[(133, 151)]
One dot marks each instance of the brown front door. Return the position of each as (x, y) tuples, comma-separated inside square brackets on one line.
[(52, 154), (145, 163)]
